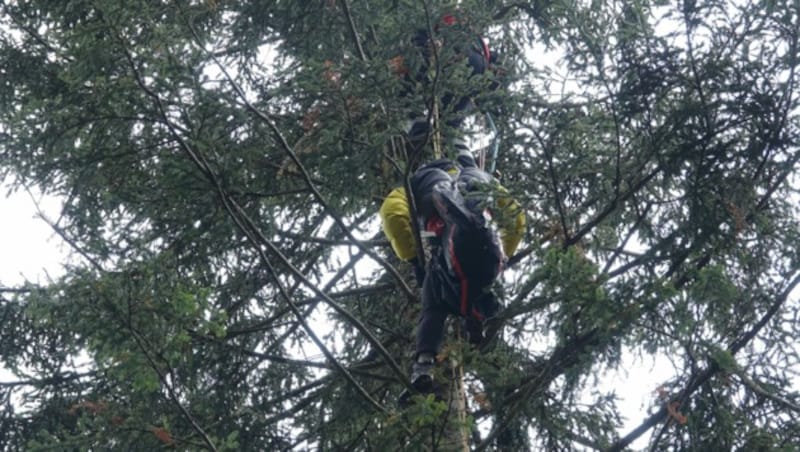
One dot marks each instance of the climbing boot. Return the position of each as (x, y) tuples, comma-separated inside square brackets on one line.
[(422, 373)]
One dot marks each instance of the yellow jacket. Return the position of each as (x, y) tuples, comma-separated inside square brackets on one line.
[(396, 219)]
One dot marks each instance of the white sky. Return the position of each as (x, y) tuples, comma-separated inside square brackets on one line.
[(29, 250)]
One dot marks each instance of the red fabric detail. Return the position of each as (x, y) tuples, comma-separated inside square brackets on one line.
[(435, 225), (449, 20), (477, 315), (486, 53), (459, 273)]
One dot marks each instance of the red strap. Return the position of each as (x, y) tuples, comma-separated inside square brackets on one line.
[(460, 274), (486, 53), (435, 225)]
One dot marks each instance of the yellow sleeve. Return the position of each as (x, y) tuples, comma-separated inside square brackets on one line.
[(396, 220), (512, 223)]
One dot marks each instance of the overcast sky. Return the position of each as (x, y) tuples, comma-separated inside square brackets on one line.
[(28, 247)]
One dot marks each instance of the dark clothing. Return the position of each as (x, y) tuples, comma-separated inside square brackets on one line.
[(466, 255), (475, 53), (430, 329), (466, 43), (451, 199), (438, 177), (439, 301)]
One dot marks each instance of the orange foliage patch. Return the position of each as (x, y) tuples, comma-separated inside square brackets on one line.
[(92, 407), (672, 409), (163, 435)]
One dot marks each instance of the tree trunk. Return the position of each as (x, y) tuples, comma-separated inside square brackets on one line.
[(455, 431)]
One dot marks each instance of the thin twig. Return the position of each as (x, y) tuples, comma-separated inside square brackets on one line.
[(140, 342), (353, 32)]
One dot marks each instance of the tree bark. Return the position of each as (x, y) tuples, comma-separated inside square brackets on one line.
[(455, 432)]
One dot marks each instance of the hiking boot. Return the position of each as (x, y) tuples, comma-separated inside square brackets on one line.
[(422, 374)]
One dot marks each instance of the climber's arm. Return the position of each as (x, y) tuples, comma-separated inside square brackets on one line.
[(512, 222), (396, 220)]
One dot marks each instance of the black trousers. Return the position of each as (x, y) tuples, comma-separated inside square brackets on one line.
[(458, 105), (440, 298), (441, 290)]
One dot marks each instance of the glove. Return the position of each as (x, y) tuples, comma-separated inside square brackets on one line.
[(419, 270)]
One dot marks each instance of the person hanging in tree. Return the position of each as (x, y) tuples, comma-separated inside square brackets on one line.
[(454, 198), (472, 224), (454, 42)]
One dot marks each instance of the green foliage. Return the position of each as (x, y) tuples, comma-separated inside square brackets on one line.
[(426, 411), (209, 153)]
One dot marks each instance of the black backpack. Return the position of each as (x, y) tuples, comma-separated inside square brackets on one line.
[(470, 244)]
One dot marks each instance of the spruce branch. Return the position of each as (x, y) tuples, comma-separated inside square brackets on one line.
[(528, 8), (246, 225), (15, 290), (324, 241), (613, 206), (52, 380), (551, 171), (303, 171), (144, 348), (266, 323), (134, 333), (336, 307), (712, 369), (620, 249), (311, 303)]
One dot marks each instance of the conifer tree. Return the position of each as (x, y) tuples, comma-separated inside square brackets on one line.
[(221, 164)]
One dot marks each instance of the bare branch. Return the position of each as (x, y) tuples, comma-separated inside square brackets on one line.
[(353, 32), (758, 389), (54, 380), (324, 241)]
